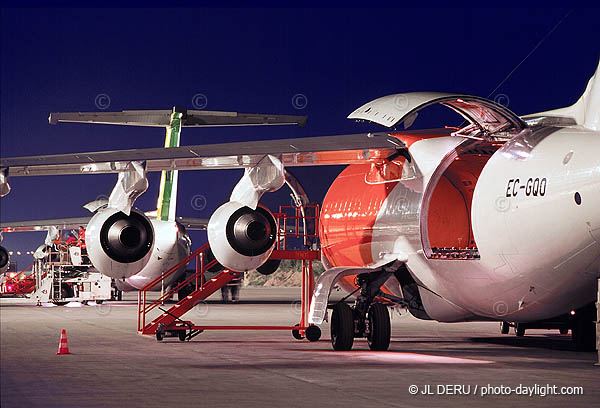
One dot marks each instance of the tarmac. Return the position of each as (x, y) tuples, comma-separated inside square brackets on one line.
[(429, 364)]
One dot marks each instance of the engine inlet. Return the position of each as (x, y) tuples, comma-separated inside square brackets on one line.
[(125, 238), (251, 232)]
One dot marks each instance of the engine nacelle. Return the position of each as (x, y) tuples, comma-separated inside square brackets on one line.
[(241, 238), (4, 258), (269, 267), (119, 245)]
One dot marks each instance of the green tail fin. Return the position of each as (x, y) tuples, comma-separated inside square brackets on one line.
[(167, 195)]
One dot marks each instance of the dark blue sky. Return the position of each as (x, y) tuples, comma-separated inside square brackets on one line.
[(256, 60)]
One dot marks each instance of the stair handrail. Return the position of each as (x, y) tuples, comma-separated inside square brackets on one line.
[(175, 268), (176, 288)]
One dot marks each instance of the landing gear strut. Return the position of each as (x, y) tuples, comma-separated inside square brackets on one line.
[(367, 318)]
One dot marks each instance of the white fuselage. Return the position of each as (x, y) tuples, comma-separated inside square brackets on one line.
[(539, 249), (171, 246), (530, 208)]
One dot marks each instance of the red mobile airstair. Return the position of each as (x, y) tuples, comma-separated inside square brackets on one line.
[(18, 284), (293, 224)]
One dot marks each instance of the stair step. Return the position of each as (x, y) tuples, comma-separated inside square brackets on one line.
[(170, 317)]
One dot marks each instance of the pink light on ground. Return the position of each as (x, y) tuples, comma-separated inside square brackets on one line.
[(402, 358)]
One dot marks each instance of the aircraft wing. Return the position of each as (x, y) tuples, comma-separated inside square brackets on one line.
[(74, 223), (309, 151), (44, 225)]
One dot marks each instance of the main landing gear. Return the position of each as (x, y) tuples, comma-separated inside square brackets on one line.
[(367, 318), (581, 322)]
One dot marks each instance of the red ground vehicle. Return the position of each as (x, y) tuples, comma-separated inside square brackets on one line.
[(18, 283)]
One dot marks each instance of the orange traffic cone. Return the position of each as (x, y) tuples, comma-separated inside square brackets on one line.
[(63, 347)]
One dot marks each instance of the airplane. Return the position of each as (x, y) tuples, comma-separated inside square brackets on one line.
[(124, 243), (495, 220)]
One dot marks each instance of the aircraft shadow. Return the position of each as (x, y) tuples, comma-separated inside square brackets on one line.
[(559, 343)]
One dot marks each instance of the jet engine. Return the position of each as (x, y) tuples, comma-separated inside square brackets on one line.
[(241, 238), (4, 258), (119, 245)]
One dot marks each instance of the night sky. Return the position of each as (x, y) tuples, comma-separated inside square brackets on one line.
[(257, 61)]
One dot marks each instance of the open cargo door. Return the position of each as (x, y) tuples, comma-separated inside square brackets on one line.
[(486, 118)]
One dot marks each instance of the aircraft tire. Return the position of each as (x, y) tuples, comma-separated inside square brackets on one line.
[(380, 333), (504, 327), (342, 327)]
